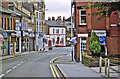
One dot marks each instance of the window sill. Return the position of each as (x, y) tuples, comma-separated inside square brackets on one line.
[(82, 25)]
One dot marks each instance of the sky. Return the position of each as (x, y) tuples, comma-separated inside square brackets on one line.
[(57, 8)]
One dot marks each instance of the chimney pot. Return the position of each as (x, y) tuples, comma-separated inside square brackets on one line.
[(53, 18)]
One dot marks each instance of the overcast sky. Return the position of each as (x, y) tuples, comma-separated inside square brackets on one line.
[(57, 8)]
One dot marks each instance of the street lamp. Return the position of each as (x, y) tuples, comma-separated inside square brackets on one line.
[(71, 30)]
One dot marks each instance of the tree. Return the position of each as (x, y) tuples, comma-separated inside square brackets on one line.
[(94, 44), (104, 9)]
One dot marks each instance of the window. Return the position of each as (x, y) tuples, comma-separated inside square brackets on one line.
[(82, 17), (57, 30), (62, 40), (11, 23), (53, 31), (7, 23), (2, 23), (53, 41), (62, 31)]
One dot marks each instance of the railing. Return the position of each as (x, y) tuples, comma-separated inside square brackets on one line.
[(107, 66)]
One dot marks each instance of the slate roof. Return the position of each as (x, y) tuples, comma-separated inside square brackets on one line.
[(53, 23), (4, 10), (28, 6)]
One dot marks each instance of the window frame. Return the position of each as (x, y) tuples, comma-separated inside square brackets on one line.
[(119, 17), (81, 16)]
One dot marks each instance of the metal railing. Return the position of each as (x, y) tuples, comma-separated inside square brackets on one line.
[(107, 66)]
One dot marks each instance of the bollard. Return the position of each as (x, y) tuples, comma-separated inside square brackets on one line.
[(105, 66), (108, 67), (100, 65)]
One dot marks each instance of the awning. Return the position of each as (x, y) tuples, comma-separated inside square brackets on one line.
[(1, 38)]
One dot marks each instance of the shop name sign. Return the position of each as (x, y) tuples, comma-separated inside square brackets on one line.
[(32, 35), (18, 33), (18, 23)]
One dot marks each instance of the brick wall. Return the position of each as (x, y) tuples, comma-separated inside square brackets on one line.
[(113, 39)]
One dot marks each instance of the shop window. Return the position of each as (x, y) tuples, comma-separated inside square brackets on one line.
[(82, 17)]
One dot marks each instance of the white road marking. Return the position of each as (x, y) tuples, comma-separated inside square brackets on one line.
[(9, 71), (19, 64), (14, 67), (2, 75), (22, 62)]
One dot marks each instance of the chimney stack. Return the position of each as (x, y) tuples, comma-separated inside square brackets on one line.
[(59, 19), (63, 20), (49, 19), (53, 18)]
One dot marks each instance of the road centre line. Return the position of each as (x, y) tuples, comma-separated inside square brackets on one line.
[(14, 67), (9, 71), (2, 75)]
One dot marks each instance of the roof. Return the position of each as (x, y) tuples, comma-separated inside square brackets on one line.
[(22, 13), (53, 23), (4, 10), (69, 19), (28, 6)]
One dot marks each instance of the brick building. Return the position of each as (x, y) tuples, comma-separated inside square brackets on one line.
[(85, 24)]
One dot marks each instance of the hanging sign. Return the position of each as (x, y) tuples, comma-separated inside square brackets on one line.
[(102, 40)]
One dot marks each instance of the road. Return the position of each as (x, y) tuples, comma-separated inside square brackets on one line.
[(33, 65)]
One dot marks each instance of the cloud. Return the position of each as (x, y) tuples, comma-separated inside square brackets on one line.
[(58, 8)]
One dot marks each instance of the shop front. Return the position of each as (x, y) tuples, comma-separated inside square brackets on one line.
[(31, 42), (18, 42), (1, 41)]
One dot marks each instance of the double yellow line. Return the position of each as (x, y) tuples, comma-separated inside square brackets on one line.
[(53, 69)]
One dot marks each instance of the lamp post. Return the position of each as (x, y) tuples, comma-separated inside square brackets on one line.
[(71, 30), (42, 24)]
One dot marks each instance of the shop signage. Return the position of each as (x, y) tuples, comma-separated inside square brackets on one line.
[(102, 40), (25, 33), (73, 40), (29, 29), (13, 34), (18, 23), (18, 33), (31, 35), (102, 36)]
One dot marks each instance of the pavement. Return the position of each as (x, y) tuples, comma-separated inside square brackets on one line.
[(74, 69), (16, 55)]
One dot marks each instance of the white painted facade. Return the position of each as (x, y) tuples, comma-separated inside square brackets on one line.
[(54, 34)]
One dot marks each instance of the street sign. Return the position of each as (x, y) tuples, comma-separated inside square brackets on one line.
[(73, 40)]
